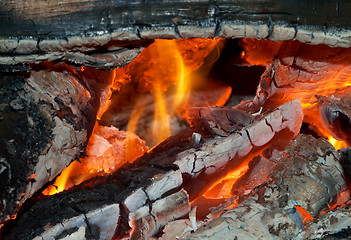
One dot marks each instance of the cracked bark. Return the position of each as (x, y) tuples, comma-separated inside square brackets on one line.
[(307, 174), (166, 168), (46, 118), (30, 33)]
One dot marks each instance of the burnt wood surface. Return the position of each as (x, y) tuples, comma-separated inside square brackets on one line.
[(307, 174), (110, 33), (59, 19), (192, 159), (46, 118)]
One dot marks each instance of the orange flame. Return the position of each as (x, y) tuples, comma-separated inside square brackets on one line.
[(159, 67), (222, 187), (60, 183), (336, 143), (167, 69), (107, 150)]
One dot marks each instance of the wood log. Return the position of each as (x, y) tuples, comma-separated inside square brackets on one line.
[(148, 220), (338, 225), (308, 174), (113, 192), (310, 73), (335, 115), (163, 170), (46, 118), (30, 31)]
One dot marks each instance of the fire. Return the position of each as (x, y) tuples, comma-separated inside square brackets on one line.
[(61, 181), (336, 143), (222, 187), (167, 66), (107, 150), (161, 125), (296, 70), (162, 68)]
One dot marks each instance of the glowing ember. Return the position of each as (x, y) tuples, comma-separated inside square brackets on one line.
[(163, 67), (222, 188), (306, 217), (296, 70), (107, 150)]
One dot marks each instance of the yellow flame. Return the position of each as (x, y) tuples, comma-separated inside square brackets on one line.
[(183, 85), (230, 179), (336, 143), (134, 119), (60, 183), (161, 126)]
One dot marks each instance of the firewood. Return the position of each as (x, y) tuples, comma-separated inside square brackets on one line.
[(312, 73), (335, 115), (30, 33), (46, 117), (333, 224), (308, 174), (112, 192), (148, 220), (167, 167)]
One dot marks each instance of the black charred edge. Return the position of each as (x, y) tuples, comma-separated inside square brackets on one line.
[(99, 191), (342, 234), (19, 68), (20, 142), (121, 15)]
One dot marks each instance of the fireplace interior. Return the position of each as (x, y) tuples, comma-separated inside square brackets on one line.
[(216, 129)]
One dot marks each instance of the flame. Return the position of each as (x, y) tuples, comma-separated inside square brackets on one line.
[(161, 127), (167, 66), (105, 98), (163, 67), (336, 143), (107, 149), (60, 183), (222, 187)]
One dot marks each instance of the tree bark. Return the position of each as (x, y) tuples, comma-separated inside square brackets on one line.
[(34, 31), (181, 161), (307, 174), (46, 119)]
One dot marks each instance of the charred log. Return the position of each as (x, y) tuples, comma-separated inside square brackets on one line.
[(126, 191), (46, 118), (271, 212), (30, 33), (338, 222), (188, 154)]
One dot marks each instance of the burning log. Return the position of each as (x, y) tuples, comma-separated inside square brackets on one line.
[(311, 74), (189, 155), (113, 196), (46, 119), (148, 220), (29, 33), (308, 175), (335, 113), (338, 225)]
